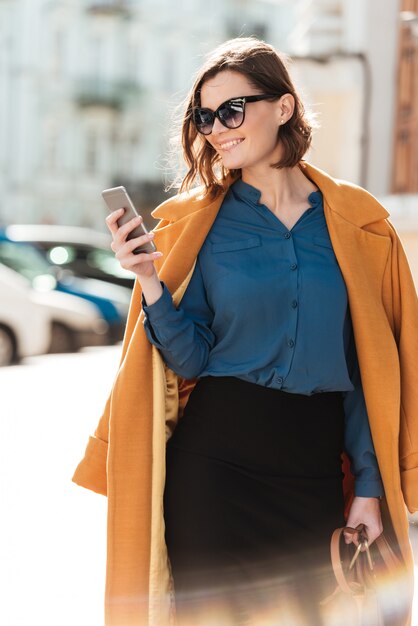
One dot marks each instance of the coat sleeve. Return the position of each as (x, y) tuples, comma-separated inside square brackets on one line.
[(405, 310), (91, 472)]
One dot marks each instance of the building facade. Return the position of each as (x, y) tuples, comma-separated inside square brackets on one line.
[(405, 153), (88, 89)]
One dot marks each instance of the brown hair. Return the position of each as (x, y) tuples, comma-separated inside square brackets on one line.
[(266, 70)]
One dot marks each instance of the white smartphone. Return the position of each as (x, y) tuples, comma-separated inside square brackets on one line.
[(118, 198)]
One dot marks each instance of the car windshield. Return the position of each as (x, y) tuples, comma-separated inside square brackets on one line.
[(24, 259)]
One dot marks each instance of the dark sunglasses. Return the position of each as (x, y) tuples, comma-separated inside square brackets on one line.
[(230, 113)]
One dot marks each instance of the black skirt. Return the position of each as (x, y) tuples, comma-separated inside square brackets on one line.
[(253, 492)]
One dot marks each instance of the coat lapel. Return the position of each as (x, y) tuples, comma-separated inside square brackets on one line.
[(361, 253), (362, 257), (181, 241)]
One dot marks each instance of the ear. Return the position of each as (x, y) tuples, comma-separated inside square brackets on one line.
[(285, 108)]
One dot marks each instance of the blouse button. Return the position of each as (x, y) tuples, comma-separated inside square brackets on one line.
[(287, 235), (294, 304), (290, 343), (293, 266)]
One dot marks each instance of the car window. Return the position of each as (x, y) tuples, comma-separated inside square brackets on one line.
[(27, 261), (24, 259)]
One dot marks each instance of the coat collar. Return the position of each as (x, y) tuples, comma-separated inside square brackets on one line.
[(350, 201)]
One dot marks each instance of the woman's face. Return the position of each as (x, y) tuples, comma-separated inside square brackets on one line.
[(256, 141)]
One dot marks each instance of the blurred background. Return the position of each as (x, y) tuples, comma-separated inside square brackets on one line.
[(88, 89)]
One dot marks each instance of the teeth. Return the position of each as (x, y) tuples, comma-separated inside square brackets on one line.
[(229, 144)]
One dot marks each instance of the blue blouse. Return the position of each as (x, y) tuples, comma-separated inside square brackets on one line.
[(269, 305)]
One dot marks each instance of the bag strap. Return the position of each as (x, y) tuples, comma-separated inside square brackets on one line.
[(337, 564)]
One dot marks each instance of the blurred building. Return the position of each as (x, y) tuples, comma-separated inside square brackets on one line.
[(349, 73), (403, 203), (88, 87), (405, 154), (403, 209)]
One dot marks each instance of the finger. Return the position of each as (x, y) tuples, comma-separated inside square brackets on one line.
[(353, 540), (134, 260), (351, 537), (124, 230), (112, 218), (348, 536), (129, 246), (373, 534)]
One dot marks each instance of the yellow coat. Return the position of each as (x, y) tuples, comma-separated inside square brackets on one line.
[(125, 458)]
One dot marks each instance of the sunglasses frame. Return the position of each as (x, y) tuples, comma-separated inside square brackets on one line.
[(215, 114)]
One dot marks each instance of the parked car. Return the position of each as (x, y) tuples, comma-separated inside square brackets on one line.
[(112, 301), (25, 328), (75, 322), (35, 322), (84, 251)]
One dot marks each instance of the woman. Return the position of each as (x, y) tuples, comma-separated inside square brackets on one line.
[(289, 282)]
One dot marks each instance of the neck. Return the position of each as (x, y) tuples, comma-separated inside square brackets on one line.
[(279, 188)]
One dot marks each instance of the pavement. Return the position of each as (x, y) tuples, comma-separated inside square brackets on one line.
[(52, 554), (53, 533)]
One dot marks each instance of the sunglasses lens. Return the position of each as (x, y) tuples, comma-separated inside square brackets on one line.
[(203, 119), (232, 114)]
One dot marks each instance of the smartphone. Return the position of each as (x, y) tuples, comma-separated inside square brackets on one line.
[(118, 198)]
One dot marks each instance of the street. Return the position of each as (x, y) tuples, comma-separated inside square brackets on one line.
[(53, 550), (53, 532)]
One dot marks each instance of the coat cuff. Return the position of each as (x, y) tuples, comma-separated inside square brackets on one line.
[(91, 471), (409, 481)]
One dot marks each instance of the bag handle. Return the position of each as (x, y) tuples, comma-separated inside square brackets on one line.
[(387, 554), (337, 564)]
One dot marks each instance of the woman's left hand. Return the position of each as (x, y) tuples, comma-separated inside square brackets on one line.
[(365, 511)]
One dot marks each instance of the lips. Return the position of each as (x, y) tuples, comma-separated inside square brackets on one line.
[(228, 145)]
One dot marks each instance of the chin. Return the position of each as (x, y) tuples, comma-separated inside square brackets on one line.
[(234, 164)]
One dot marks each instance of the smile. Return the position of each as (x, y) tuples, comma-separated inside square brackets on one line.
[(230, 144)]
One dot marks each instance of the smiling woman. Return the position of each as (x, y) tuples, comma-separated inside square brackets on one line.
[(270, 345)]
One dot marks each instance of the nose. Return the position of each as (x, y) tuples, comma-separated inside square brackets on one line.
[(218, 127)]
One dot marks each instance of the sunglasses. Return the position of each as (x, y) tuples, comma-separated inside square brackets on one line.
[(230, 113)]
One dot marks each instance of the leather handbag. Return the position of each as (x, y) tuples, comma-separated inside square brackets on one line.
[(370, 588)]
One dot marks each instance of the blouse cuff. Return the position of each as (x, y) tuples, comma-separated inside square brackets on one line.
[(368, 488), (159, 309)]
